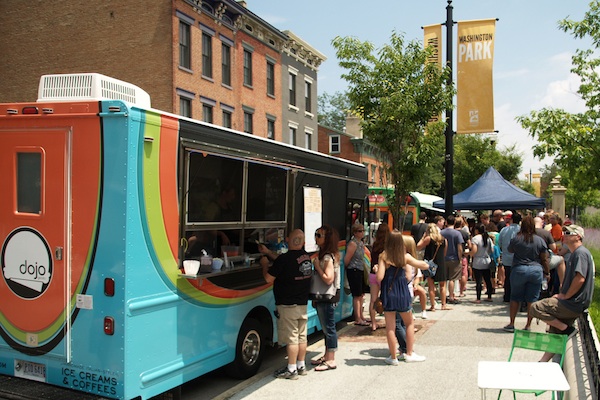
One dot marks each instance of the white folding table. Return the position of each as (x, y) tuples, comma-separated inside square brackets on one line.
[(515, 375)]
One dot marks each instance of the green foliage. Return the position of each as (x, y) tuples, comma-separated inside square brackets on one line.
[(574, 139), (474, 154), (395, 93), (594, 309), (333, 110), (589, 220)]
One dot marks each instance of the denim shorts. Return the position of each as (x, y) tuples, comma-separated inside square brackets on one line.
[(525, 283)]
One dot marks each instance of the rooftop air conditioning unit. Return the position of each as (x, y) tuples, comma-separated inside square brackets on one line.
[(90, 86)]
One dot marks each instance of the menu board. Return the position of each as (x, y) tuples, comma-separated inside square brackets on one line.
[(313, 215)]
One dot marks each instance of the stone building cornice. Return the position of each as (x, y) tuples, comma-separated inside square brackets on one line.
[(303, 52)]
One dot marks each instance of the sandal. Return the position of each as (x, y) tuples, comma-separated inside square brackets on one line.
[(362, 323), (432, 309), (446, 308), (318, 361), (325, 367)]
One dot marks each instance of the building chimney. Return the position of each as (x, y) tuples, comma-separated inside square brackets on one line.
[(243, 3), (353, 127)]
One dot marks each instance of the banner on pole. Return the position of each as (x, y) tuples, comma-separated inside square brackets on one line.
[(433, 38), (475, 91)]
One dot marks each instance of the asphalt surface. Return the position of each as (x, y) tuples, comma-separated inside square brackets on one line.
[(453, 341)]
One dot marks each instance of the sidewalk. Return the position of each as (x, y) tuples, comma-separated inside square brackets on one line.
[(453, 341)]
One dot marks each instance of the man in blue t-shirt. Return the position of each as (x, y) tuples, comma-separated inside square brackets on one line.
[(290, 273), (561, 310), (453, 255)]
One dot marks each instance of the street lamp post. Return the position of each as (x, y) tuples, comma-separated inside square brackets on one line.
[(449, 162)]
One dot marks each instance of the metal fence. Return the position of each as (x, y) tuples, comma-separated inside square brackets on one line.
[(589, 340)]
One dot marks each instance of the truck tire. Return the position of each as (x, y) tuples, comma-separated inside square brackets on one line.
[(249, 350)]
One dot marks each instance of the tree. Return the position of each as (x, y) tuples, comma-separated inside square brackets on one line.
[(474, 154), (333, 110), (395, 92), (574, 139)]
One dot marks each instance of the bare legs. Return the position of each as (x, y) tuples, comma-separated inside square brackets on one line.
[(374, 289)]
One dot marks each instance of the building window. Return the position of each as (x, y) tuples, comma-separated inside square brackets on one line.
[(334, 144), (307, 140), (270, 128), (248, 122), (292, 136), (247, 68), (270, 78), (207, 55), (185, 102), (226, 64), (185, 107), (308, 96), (185, 50), (226, 119), (207, 113), (293, 89)]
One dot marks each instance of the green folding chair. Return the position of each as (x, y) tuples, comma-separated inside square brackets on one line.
[(544, 342)]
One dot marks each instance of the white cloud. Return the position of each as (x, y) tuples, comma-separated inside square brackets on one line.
[(563, 94)]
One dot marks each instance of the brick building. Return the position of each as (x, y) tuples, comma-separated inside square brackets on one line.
[(351, 145), (212, 60)]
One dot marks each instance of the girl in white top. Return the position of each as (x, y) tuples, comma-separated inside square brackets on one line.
[(481, 248)]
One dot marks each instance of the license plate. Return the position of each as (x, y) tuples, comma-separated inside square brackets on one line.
[(30, 370)]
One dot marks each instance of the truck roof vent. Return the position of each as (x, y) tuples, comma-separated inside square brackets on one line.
[(90, 86)]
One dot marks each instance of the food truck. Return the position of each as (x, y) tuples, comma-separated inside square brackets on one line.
[(415, 202), (108, 201)]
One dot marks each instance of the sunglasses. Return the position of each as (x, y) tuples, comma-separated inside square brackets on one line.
[(362, 230), (568, 233), (318, 235)]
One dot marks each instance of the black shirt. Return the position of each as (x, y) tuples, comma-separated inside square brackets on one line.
[(292, 272)]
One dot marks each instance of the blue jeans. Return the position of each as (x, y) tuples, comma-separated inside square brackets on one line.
[(400, 332), (325, 311)]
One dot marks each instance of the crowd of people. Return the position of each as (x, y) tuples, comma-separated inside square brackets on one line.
[(539, 261)]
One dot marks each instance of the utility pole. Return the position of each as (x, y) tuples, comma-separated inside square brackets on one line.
[(449, 119)]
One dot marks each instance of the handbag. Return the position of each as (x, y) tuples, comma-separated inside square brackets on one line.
[(430, 273), (378, 305), (321, 291)]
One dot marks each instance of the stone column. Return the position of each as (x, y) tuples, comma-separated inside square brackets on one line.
[(558, 196)]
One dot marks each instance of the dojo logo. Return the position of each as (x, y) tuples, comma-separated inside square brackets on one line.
[(26, 262)]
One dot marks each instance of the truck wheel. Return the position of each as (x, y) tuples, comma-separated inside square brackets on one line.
[(249, 350)]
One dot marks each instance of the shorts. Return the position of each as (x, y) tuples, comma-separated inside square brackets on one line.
[(454, 268), (373, 280), (549, 309), (555, 261), (525, 283), (292, 324), (356, 279), (465, 267)]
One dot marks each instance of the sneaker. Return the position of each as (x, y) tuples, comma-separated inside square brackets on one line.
[(301, 371), (392, 361), (401, 357), (285, 373), (424, 314), (570, 331), (414, 357), (509, 328)]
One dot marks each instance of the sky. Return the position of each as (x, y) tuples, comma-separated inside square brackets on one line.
[(532, 57)]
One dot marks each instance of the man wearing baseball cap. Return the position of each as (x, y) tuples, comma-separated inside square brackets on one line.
[(561, 310)]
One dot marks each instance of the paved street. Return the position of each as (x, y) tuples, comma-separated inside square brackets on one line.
[(453, 341)]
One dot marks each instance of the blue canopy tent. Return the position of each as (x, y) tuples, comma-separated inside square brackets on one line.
[(490, 192)]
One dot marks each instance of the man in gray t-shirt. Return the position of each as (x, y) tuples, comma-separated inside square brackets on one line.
[(561, 310)]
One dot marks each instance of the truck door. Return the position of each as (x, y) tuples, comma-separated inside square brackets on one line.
[(34, 210)]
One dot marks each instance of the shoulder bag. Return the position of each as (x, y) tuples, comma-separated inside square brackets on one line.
[(430, 273), (320, 291)]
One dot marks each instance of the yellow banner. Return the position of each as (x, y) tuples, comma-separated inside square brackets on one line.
[(475, 91), (433, 38)]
